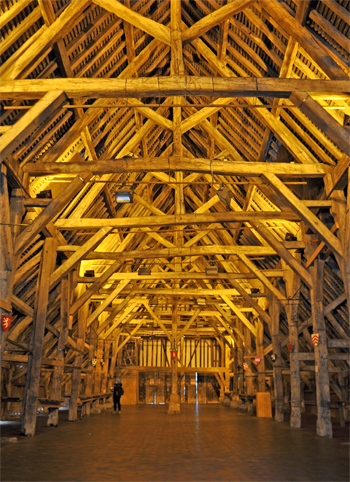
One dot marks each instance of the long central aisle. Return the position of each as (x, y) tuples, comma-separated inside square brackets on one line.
[(203, 443)]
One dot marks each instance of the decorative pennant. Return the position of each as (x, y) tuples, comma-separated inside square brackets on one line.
[(315, 337), (290, 347), (257, 360), (173, 354), (245, 366), (273, 357), (6, 322)]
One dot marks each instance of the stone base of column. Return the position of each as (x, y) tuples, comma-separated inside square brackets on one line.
[(174, 404)]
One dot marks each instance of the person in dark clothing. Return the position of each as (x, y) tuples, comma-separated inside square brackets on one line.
[(118, 391)]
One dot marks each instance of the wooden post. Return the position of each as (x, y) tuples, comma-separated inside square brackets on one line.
[(55, 394), (174, 403), (248, 353), (6, 254), (47, 265), (292, 310), (277, 368), (324, 424), (240, 359), (73, 405), (260, 353)]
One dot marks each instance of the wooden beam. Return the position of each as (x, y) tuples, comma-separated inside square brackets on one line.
[(338, 134), (73, 260), (161, 164), (97, 284), (155, 29), (50, 212), (304, 38), (305, 214), (34, 359), (225, 86), (175, 220), (238, 313), (159, 321), (216, 17), (188, 252), (32, 56)]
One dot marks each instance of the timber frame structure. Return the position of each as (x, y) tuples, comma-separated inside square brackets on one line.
[(227, 119)]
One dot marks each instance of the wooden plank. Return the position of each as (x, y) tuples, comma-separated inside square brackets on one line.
[(159, 321), (305, 214), (107, 301), (71, 262), (30, 121), (217, 16), (34, 359), (319, 248), (225, 86), (50, 212)]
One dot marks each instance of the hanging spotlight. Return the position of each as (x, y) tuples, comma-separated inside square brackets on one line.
[(89, 273), (144, 271), (125, 197), (290, 237), (201, 302), (212, 271)]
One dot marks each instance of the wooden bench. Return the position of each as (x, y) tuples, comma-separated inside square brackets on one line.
[(94, 402)]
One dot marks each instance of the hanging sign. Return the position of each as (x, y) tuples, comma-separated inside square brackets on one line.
[(245, 366), (273, 357), (257, 360), (6, 322), (315, 337), (173, 354), (290, 347)]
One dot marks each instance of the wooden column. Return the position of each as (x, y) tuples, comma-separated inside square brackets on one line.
[(55, 394), (277, 367), (260, 353), (240, 359), (6, 254), (174, 403), (47, 265), (73, 405), (324, 424), (292, 310), (248, 353)]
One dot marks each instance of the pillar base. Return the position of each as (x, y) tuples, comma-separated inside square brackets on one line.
[(174, 404)]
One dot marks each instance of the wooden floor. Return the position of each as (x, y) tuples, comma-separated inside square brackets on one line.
[(203, 443)]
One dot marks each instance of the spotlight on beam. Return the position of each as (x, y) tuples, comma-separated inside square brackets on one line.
[(201, 302), (125, 197), (211, 271), (153, 301), (144, 271)]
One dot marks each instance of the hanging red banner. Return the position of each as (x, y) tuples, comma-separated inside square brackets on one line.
[(290, 347), (173, 354), (6, 322), (315, 337), (257, 360), (245, 366)]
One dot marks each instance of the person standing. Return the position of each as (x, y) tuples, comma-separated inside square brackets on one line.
[(118, 391)]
